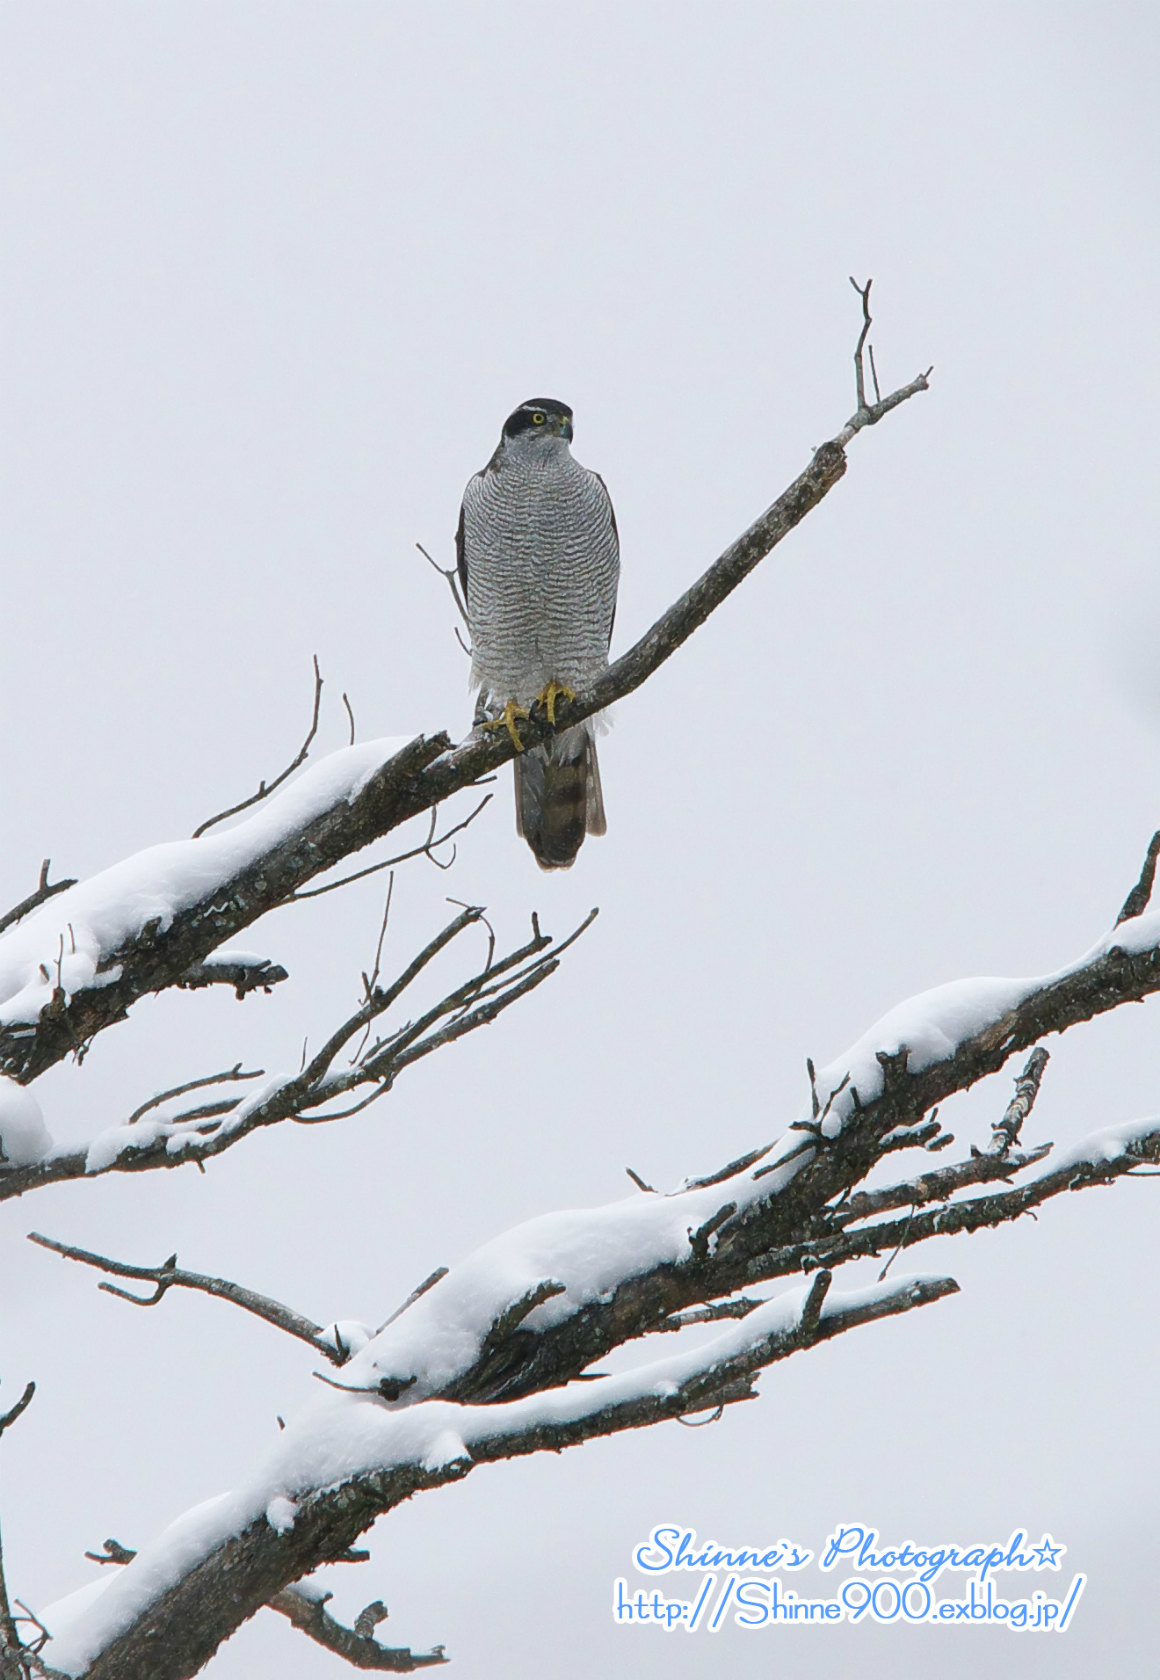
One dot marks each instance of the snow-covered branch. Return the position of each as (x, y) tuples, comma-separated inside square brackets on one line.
[(493, 1359), (354, 1457)]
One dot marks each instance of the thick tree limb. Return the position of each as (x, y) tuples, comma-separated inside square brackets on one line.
[(174, 1634), (306, 1611)]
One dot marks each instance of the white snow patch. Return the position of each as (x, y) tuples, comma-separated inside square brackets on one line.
[(24, 1137), (309, 1587), (447, 1448), (238, 959), (1108, 1144), (281, 1513)]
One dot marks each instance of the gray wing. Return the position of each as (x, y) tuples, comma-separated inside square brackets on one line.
[(461, 536), (616, 579)]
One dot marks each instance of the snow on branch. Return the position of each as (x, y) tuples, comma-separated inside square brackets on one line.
[(351, 1458), (162, 1133), (69, 972), (494, 1358)]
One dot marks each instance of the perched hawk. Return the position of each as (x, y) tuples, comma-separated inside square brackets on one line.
[(539, 561)]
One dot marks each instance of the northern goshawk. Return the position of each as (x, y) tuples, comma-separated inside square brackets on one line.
[(539, 562)]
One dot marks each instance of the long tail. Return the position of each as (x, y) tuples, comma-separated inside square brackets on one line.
[(558, 797)]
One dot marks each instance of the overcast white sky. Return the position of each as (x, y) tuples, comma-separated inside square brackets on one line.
[(273, 275)]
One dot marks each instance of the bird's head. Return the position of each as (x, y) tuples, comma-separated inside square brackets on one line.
[(539, 417)]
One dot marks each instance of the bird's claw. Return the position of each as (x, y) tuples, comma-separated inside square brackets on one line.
[(507, 720), (554, 691)]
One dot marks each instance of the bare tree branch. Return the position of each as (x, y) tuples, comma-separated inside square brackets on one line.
[(168, 1275), (360, 1649), (43, 893), (451, 577), (1005, 1132), (304, 1609), (776, 1211), (1138, 899), (193, 1085), (21, 1406), (244, 977)]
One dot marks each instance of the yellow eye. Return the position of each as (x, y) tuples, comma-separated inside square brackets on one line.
[(537, 419)]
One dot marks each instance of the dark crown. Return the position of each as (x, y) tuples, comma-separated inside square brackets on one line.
[(523, 420)]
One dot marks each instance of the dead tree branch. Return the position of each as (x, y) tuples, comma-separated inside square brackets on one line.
[(1005, 1132), (450, 575), (44, 891), (305, 1610), (169, 1275), (244, 977), (1140, 896), (359, 1648)]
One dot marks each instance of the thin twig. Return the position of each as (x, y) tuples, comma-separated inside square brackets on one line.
[(451, 574), (21, 1406), (869, 414), (427, 848), (859, 374), (192, 1085), (42, 894), (427, 1283), (267, 788)]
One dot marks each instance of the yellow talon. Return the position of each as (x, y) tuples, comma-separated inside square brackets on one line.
[(554, 691), (507, 720)]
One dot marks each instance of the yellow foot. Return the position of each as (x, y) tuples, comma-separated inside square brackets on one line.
[(554, 691), (507, 720)]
